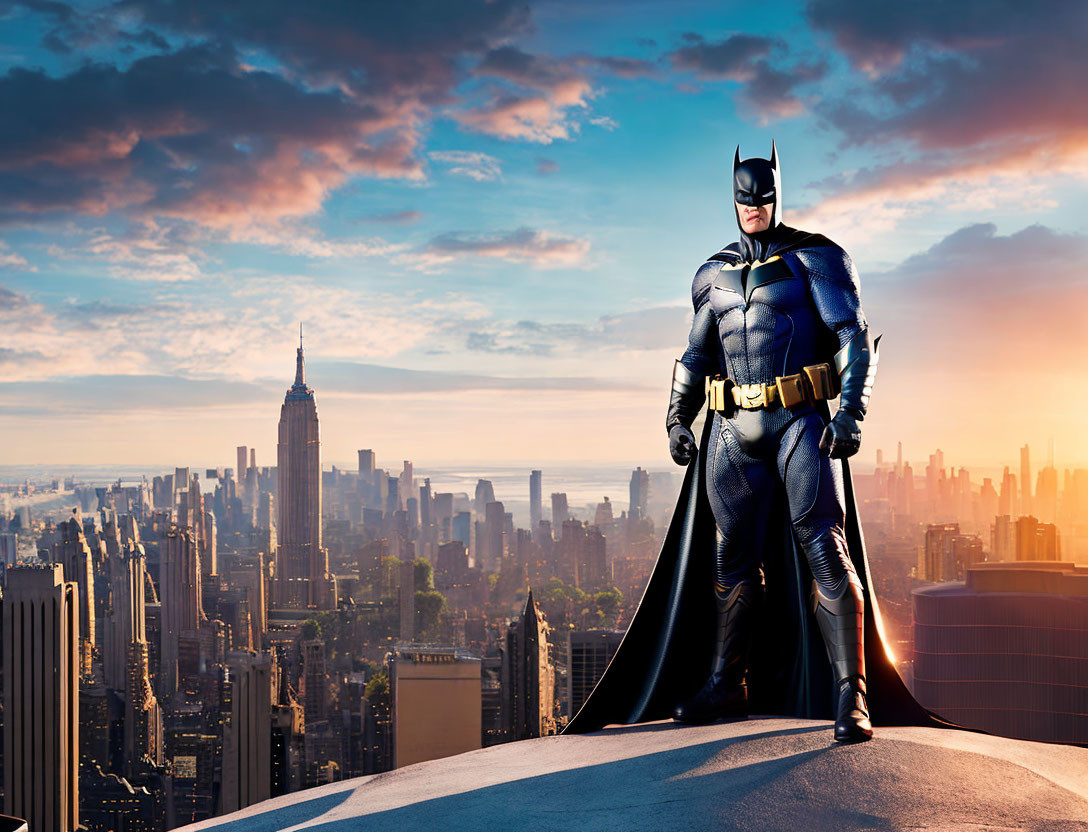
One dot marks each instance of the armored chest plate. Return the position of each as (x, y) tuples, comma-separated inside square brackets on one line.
[(736, 285)]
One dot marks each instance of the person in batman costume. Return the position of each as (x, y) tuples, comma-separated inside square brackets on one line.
[(760, 600)]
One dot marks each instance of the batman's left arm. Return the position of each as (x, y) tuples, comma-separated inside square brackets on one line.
[(833, 282)]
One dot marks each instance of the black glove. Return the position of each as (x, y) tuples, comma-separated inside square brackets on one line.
[(842, 436), (682, 445)]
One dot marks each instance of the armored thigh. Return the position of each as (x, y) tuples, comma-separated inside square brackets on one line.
[(814, 491), (740, 489)]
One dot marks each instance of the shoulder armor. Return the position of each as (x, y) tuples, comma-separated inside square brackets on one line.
[(829, 262), (700, 286), (730, 254)]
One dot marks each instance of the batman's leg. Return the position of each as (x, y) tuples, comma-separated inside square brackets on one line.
[(814, 489), (735, 487)]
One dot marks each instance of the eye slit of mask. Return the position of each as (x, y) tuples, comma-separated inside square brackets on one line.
[(766, 195)]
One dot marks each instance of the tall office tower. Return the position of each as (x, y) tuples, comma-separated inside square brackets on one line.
[(240, 474), (301, 564), (41, 698), (252, 457), (426, 507), (406, 600), (247, 739), (71, 551), (639, 494), (406, 485), (1007, 501), (366, 464), (211, 542), (437, 703), (528, 676), (126, 659), (1046, 495), (536, 505), (181, 483), (485, 493), (588, 654), (288, 739), (560, 514), (1025, 481), (180, 588), (494, 520), (315, 681)]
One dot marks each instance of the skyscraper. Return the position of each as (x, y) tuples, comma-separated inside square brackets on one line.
[(74, 555), (247, 739), (528, 683), (1025, 480), (536, 507), (180, 590), (301, 563), (41, 698), (560, 512)]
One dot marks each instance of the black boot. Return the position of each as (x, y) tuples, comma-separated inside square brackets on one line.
[(725, 694), (841, 622)]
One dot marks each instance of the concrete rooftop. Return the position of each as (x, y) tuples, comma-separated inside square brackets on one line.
[(765, 774)]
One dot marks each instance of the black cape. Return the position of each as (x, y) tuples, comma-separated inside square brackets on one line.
[(667, 651)]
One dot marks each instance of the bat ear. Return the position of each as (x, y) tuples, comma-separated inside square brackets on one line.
[(736, 160), (774, 155)]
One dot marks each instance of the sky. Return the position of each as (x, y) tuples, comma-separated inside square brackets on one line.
[(487, 215)]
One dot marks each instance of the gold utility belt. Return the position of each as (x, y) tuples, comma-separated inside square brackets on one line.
[(811, 384)]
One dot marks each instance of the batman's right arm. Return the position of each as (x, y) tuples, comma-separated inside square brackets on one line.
[(699, 360)]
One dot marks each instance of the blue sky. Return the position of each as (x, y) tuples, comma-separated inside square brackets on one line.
[(488, 216)]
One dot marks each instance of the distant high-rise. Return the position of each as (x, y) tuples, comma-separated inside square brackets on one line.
[(588, 654), (247, 739), (494, 515), (240, 475), (536, 507), (366, 463), (437, 703), (180, 589), (1025, 480), (74, 555), (126, 657), (41, 698), (315, 681), (560, 513), (301, 564), (639, 493), (528, 676), (485, 493)]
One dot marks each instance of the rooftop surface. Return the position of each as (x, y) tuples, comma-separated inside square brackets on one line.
[(763, 774)]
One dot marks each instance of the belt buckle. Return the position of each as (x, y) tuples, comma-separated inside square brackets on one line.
[(752, 396)]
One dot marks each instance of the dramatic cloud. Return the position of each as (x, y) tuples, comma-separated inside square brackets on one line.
[(524, 245), (995, 321), (201, 135), (768, 81), (478, 166), (535, 102), (976, 95), (731, 59)]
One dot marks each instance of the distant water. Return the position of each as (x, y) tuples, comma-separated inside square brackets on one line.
[(585, 486)]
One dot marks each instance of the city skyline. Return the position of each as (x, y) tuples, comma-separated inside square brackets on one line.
[(507, 233)]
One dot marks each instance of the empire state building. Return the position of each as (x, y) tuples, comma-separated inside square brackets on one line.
[(302, 565)]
